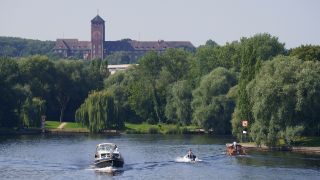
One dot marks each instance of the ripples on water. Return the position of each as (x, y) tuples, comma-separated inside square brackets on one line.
[(146, 157)]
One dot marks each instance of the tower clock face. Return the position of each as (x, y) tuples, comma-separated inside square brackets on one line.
[(96, 35)]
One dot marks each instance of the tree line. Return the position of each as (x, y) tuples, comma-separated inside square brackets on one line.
[(19, 47), (216, 87), (34, 86)]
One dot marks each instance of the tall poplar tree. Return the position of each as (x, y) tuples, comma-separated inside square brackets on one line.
[(254, 51)]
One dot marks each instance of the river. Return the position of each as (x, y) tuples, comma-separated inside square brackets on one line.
[(53, 156)]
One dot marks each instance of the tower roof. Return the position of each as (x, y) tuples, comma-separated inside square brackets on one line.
[(97, 19)]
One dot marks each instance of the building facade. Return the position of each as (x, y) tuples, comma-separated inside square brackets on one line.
[(99, 48)]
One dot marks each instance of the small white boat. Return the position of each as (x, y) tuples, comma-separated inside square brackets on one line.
[(108, 155)]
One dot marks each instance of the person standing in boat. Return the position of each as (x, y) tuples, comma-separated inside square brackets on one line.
[(191, 155), (235, 145), (115, 149)]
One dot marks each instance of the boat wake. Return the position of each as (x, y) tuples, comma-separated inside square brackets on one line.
[(112, 171), (107, 169), (184, 159)]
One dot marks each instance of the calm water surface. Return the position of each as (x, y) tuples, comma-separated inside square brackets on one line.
[(146, 157)]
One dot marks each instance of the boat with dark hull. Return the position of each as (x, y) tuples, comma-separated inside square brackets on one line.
[(108, 155)]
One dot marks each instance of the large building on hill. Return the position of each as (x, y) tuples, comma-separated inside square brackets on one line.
[(99, 48)]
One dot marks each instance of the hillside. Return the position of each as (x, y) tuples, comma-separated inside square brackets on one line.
[(19, 47)]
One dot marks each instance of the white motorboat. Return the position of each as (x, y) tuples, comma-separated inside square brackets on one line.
[(108, 155)]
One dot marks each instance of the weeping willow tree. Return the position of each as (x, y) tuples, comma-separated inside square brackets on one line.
[(32, 110), (99, 112)]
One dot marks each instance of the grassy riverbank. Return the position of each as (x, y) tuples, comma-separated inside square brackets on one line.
[(72, 127), (130, 128), (160, 129)]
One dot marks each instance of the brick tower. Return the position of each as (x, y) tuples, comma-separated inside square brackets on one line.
[(97, 38)]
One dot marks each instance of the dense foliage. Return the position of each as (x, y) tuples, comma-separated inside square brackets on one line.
[(34, 86), (285, 98), (31, 112), (306, 52), (9, 76), (212, 109), (178, 107), (215, 88), (99, 112), (18, 47), (254, 51), (122, 58)]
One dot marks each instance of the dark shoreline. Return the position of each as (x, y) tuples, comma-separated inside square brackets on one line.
[(29, 131), (297, 149)]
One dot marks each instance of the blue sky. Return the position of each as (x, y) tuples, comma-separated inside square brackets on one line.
[(295, 22)]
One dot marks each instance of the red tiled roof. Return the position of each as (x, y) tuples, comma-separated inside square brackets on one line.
[(72, 44), (145, 45), (130, 45)]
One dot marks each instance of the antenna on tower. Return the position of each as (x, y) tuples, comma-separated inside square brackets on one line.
[(97, 11)]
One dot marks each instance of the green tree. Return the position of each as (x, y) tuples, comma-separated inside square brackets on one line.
[(32, 110), (150, 67), (118, 86), (148, 89), (99, 112), (39, 74), (96, 72), (254, 51), (74, 80), (284, 97), (18, 47), (140, 97), (307, 52), (67, 84), (209, 57), (9, 77), (308, 96), (212, 109), (212, 43), (177, 64), (178, 107), (120, 58)]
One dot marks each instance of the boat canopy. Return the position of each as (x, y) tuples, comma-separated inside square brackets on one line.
[(105, 146)]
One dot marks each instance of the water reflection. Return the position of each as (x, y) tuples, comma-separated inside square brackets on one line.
[(280, 159), (146, 157), (108, 172)]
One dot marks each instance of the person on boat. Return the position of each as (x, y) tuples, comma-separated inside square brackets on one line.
[(115, 148), (191, 155), (235, 146)]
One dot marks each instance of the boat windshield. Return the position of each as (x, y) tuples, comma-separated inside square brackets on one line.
[(106, 147)]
